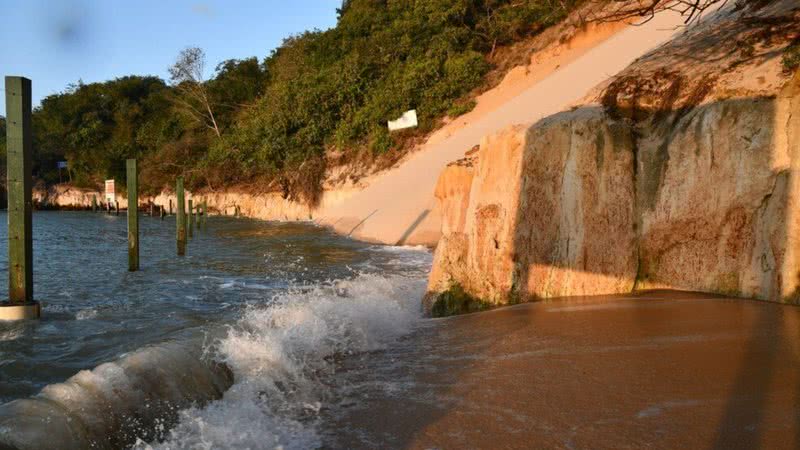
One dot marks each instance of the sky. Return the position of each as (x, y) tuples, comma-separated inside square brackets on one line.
[(58, 42)]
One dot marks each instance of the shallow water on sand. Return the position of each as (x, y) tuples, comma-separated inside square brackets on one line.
[(95, 311)]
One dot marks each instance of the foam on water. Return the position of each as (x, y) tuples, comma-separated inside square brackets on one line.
[(282, 355), (262, 376)]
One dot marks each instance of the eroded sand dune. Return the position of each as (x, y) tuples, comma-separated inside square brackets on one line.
[(398, 207)]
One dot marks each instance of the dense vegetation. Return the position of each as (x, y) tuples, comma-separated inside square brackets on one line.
[(271, 122)]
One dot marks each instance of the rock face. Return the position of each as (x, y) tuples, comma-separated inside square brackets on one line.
[(678, 176), (718, 200), (63, 196), (582, 204), (549, 212)]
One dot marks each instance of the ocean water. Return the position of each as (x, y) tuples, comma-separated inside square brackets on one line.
[(234, 345)]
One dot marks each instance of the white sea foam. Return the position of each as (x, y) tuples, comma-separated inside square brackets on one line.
[(86, 314), (281, 356)]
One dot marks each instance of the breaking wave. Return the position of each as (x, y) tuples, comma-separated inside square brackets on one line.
[(283, 355), (260, 382)]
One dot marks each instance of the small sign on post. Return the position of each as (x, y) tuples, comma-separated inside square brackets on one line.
[(110, 195), (61, 165)]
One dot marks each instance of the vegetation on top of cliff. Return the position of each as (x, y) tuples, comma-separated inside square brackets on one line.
[(455, 300), (273, 121)]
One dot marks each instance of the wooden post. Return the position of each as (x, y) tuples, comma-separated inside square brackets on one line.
[(116, 206), (197, 215), (205, 213), (19, 148), (94, 203), (191, 218), (152, 211), (133, 216), (108, 207), (181, 218), (170, 207), (161, 211)]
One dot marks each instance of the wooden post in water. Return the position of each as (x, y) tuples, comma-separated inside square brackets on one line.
[(191, 219), (197, 215), (152, 210), (133, 216), (205, 213), (161, 211), (94, 203), (180, 218), (116, 206), (170, 207), (19, 151)]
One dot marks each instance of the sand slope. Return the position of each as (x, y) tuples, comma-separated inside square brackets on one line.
[(398, 207)]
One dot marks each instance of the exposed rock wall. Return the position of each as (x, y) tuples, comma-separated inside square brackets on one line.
[(64, 196), (680, 172), (583, 203), (718, 199), (550, 212)]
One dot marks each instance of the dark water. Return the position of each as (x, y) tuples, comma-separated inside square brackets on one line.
[(94, 310)]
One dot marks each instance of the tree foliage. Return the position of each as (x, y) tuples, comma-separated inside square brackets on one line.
[(272, 121)]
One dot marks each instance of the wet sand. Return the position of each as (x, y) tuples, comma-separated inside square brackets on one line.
[(659, 370)]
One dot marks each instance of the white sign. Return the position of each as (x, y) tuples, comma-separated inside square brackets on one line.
[(407, 120), (110, 194)]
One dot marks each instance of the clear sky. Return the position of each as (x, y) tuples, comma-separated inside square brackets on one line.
[(58, 42)]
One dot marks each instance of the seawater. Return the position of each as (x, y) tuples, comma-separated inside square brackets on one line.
[(256, 315)]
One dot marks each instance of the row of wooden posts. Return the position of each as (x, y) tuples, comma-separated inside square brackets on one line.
[(20, 204), (19, 139), (183, 228)]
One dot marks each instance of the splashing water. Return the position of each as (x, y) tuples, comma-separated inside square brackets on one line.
[(281, 357), (234, 346)]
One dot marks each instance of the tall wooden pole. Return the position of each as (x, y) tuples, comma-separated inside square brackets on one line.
[(191, 219), (197, 215), (133, 216), (180, 218), (19, 140)]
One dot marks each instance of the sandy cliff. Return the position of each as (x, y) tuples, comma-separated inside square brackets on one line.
[(397, 206), (679, 172)]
